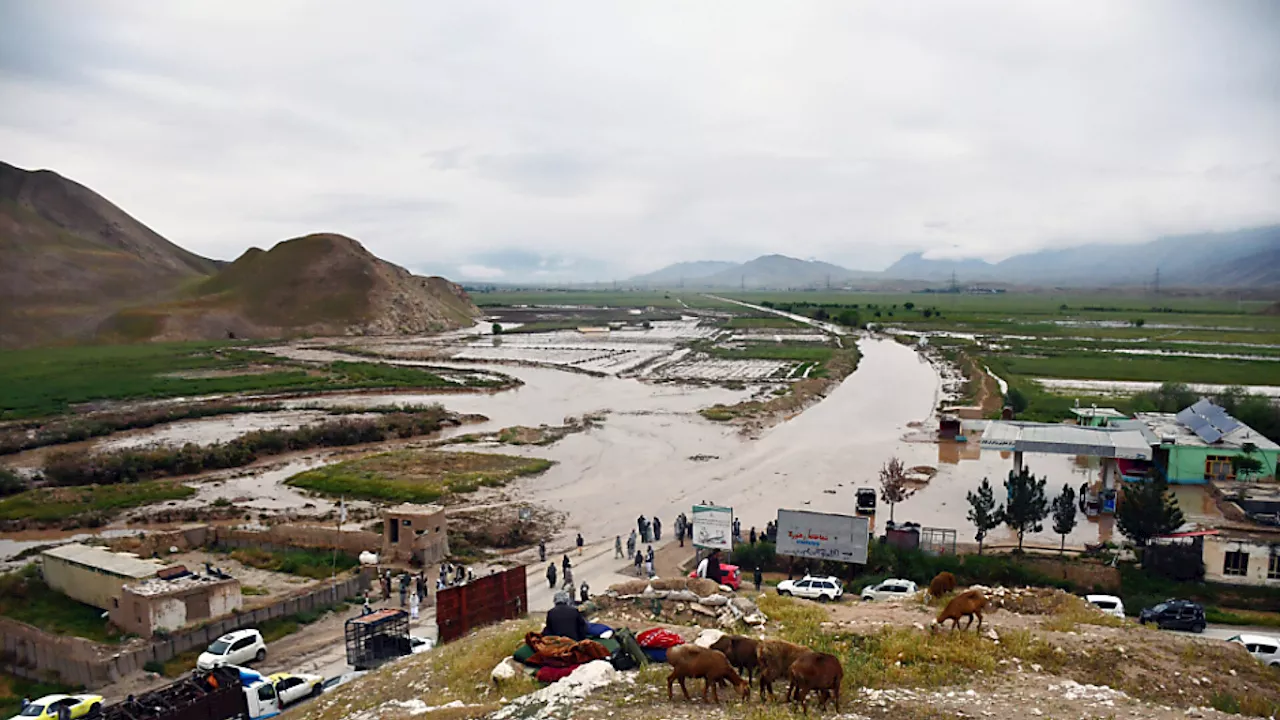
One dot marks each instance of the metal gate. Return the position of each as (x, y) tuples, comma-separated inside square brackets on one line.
[(490, 599), (938, 541)]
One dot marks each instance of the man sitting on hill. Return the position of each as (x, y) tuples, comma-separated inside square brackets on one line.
[(565, 620)]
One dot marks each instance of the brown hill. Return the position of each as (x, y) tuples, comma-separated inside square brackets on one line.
[(69, 258), (320, 284)]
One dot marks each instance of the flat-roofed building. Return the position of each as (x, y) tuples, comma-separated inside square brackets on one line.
[(93, 575)]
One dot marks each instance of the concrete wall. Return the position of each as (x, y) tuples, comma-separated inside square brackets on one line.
[(1187, 462), (1216, 549), (31, 653), (92, 587)]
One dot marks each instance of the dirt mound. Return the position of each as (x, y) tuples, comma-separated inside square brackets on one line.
[(1028, 600), (71, 258), (321, 284), (699, 586)]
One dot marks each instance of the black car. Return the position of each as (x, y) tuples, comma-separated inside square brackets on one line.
[(1175, 615)]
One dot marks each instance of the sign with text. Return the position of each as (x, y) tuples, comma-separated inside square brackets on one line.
[(823, 536), (712, 527)]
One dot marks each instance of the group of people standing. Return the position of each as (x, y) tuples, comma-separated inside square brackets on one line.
[(567, 570), (413, 591), (650, 531), (451, 575)]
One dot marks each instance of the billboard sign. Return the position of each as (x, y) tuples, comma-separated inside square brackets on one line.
[(823, 536), (712, 527)]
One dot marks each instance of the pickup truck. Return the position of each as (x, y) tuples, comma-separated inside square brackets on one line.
[(223, 693)]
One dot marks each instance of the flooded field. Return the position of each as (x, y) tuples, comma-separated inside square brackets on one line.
[(653, 453), (1066, 386)]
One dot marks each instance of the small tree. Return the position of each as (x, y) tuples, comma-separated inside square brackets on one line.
[(497, 328), (1064, 515), (909, 305), (983, 511), (1016, 400), (1027, 507), (893, 484), (1147, 509)]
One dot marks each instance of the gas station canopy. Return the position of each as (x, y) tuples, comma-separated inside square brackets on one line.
[(1028, 437)]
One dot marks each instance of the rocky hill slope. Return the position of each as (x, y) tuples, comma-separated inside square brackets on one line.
[(1040, 654), (69, 257), (322, 284), (74, 267)]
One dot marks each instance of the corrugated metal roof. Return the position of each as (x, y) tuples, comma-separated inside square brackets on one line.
[(97, 558), (1098, 412), (1066, 440)]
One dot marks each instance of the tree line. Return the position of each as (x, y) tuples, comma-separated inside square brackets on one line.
[(1145, 509)]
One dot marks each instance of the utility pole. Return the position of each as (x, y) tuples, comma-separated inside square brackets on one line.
[(828, 282), (1155, 286), (742, 283)]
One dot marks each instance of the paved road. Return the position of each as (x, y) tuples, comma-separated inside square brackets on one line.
[(1224, 632)]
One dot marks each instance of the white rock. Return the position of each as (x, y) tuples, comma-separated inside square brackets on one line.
[(508, 669)]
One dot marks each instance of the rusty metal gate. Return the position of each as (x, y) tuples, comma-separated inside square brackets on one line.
[(490, 599)]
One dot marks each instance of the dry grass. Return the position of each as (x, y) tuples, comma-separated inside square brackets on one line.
[(457, 671)]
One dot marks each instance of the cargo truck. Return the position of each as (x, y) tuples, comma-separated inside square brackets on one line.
[(223, 693)]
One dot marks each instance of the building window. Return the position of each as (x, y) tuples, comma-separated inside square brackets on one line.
[(1236, 562), (1273, 567), (1217, 467)]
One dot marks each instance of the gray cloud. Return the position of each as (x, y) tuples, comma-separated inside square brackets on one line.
[(575, 139)]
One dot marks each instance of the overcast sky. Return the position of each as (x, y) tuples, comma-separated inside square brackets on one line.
[(596, 140)]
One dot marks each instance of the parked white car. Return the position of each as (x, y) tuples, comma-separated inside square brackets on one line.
[(1109, 604), (1263, 647), (891, 589), (234, 648), (822, 589)]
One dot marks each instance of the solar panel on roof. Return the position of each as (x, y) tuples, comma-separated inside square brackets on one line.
[(1200, 406), (1196, 423), (1209, 434)]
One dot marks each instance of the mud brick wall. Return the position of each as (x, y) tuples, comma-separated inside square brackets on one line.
[(291, 535), (32, 653), (1084, 575)]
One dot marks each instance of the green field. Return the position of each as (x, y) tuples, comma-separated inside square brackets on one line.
[(50, 381), (57, 504), (417, 476)]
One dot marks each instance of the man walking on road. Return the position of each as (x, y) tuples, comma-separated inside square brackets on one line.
[(657, 529), (551, 575), (758, 578), (639, 561), (631, 544), (579, 541), (542, 551), (617, 547)]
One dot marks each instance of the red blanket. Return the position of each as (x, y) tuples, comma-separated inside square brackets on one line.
[(550, 674), (658, 639)]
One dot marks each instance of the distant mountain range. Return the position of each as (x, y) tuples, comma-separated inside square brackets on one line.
[(1240, 259), (73, 266)]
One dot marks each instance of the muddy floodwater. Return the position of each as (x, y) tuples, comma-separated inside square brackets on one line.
[(656, 462), (653, 453)]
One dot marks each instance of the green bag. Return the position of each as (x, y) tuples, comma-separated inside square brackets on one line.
[(627, 642)]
